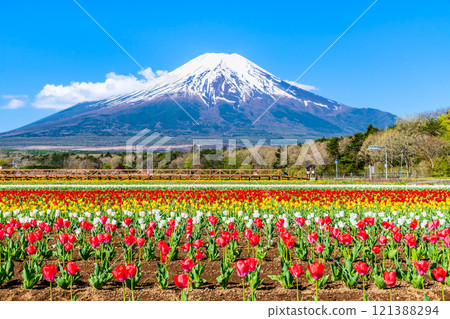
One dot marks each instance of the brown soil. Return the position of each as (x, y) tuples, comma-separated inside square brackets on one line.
[(148, 288)]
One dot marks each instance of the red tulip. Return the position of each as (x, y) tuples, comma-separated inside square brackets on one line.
[(254, 240), (187, 264), (362, 234), (32, 238), (258, 223), (182, 281), (103, 219), (319, 248), (131, 270), (361, 224), (335, 232), (421, 267), (129, 240), (397, 237), (127, 221), (68, 246), (296, 270), (140, 241), (165, 249), (10, 231), (251, 262), (101, 238), (49, 272), (186, 247), (72, 238), (376, 250), (447, 241), (213, 220), (390, 278), (312, 237), (248, 233), (63, 238), (107, 238), (440, 274), (383, 240), (72, 268), (94, 241), (345, 239), (120, 273), (199, 255), (316, 270), (197, 243), (433, 238), (299, 221), (235, 235), (221, 242), (361, 268), (242, 268), (289, 242), (31, 250), (411, 242)]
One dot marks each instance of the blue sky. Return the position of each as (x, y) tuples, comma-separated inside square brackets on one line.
[(396, 58)]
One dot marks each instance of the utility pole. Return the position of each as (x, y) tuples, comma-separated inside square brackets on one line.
[(401, 165), (336, 162), (385, 165)]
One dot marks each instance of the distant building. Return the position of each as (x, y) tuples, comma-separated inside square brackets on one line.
[(16, 164)]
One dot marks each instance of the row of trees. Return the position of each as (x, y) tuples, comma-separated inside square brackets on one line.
[(420, 144)]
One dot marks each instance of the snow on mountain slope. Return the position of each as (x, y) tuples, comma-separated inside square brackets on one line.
[(212, 76)]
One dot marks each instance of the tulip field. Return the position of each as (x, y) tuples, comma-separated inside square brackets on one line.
[(225, 243)]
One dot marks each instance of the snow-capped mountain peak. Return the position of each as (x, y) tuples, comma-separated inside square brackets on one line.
[(215, 76)]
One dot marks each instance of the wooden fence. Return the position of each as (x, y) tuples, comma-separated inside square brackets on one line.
[(156, 174)]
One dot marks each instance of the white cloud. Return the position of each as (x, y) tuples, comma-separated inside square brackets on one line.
[(63, 96), (15, 101), (303, 86), (14, 96), (161, 72)]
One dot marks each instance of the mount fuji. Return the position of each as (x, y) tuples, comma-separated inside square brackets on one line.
[(214, 95)]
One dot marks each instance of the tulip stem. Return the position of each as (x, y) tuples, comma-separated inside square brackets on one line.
[(317, 290), (297, 289), (123, 290), (390, 294), (243, 287), (423, 285), (51, 291), (71, 283), (364, 288)]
